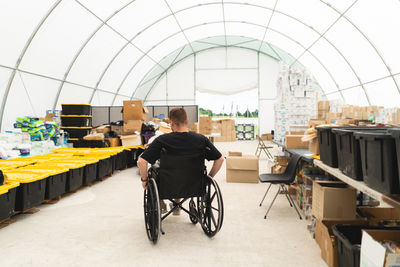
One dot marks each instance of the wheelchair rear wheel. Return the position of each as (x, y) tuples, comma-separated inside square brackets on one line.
[(211, 208), (192, 208), (152, 212)]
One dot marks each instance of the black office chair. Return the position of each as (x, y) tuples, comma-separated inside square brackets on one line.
[(182, 177), (286, 178)]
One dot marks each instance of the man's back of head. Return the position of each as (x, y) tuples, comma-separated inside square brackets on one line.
[(179, 119)]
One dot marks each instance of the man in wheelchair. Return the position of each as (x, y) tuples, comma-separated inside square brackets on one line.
[(181, 152)]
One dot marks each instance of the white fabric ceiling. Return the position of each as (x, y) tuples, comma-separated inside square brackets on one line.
[(83, 50)]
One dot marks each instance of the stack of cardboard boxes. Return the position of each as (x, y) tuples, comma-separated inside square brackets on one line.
[(134, 115), (224, 128), (228, 132), (205, 125)]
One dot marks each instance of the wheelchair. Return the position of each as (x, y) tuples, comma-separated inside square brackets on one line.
[(182, 177)]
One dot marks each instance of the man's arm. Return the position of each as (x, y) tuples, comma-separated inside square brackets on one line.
[(216, 166), (143, 164)]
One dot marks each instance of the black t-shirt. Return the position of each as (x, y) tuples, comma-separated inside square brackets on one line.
[(181, 143)]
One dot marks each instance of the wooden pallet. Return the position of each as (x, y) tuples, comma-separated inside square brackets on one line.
[(28, 211), (6, 222), (52, 201)]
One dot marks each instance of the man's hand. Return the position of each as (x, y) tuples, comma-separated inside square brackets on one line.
[(144, 185), (142, 164)]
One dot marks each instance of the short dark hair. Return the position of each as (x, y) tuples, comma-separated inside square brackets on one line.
[(178, 116)]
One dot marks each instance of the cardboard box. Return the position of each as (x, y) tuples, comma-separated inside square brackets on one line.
[(134, 110), (216, 127), (131, 140), (294, 141), (281, 160), (373, 253), (326, 240), (103, 129), (331, 116), (266, 137), (114, 142), (120, 130), (97, 136), (165, 129), (236, 154), (313, 146), (312, 123), (242, 169), (333, 201), (377, 215), (323, 105), (133, 126), (205, 125), (194, 127)]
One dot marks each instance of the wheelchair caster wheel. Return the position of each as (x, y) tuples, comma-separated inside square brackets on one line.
[(193, 216)]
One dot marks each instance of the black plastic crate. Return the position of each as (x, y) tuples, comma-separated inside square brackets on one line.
[(395, 132), (74, 179), (89, 143), (30, 195), (7, 203), (122, 160), (348, 150), (379, 161), (133, 156), (55, 185), (76, 109), (90, 173), (327, 146), (77, 132), (76, 120), (104, 168), (348, 241)]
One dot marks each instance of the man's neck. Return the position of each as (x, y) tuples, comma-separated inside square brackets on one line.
[(182, 130)]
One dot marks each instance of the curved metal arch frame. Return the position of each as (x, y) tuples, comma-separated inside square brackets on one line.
[(258, 6), (370, 42), (102, 24), (83, 47), (56, 4), (250, 23), (194, 55), (19, 60)]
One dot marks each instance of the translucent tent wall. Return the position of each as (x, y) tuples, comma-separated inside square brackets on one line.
[(98, 51)]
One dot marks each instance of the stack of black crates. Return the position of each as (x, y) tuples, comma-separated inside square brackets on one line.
[(76, 120)]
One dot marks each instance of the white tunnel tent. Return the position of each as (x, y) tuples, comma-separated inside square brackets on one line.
[(104, 52)]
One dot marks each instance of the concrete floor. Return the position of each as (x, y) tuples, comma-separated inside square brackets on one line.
[(103, 225)]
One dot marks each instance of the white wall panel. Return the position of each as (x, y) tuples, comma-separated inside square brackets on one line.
[(95, 57), (74, 94), (335, 63), (215, 58), (355, 96), (241, 58), (159, 90), (102, 99), (383, 93), (104, 8), (17, 22), (180, 81), (380, 22), (58, 40), (134, 78), (266, 116), (115, 73), (41, 92), (119, 100), (139, 15), (269, 69), (360, 53)]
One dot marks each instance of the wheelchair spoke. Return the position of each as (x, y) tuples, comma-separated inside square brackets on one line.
[(215, 208), (213, 196), (213, 219)]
